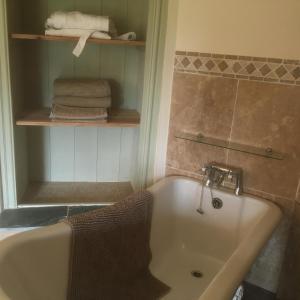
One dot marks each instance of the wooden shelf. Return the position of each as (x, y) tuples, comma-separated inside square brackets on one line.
[(74, 193), (23, 36), (117, 118)]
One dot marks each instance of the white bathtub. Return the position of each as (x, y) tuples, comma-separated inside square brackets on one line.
[(221, 244)]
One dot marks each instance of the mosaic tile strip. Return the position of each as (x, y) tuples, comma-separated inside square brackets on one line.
[(284, 71)]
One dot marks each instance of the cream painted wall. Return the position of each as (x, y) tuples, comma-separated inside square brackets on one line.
[(265, 28)]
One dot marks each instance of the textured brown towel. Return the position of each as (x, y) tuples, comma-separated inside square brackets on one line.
[(78, 113), (82, 88), (104, 102), (110, 253)]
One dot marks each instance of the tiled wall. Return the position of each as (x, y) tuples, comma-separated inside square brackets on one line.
[(251, 101), (285, 71), (250, 112)]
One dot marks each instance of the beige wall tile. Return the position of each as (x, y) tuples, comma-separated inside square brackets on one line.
[(267, 115), (203, 104), (200, 104), (190, 156)]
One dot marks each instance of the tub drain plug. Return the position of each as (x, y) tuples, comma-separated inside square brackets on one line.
[(197, 274)]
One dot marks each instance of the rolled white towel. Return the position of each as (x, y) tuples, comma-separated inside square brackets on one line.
[(78, 20), (129, 36), (84, 26)]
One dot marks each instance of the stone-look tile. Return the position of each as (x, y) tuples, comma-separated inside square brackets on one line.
[(203, 104), (186, 155), (170, 171), (257, 68), (200, 105), (286, 205), (32, 217), (267, 115)]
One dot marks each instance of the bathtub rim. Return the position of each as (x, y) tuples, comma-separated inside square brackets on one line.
[(226, 191), (228, 278), (236, 267)]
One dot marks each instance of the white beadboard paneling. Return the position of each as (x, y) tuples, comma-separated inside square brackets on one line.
[(88, 64), (39, 154), (117, 10), (108, 164), (112, 68), (62, 153), (83, 154), (56, 5), (89, 6), (126, 155), (86, 148)]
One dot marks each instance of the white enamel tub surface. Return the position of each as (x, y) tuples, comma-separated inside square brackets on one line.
[(221, 244)]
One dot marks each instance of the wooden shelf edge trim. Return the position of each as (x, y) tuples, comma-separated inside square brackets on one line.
[(23, 36), (117, 118)]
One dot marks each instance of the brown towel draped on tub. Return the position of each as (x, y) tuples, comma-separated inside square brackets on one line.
[(110, 253)]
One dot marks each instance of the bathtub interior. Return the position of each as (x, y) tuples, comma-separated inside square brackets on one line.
[(35, 265), (184, 241)]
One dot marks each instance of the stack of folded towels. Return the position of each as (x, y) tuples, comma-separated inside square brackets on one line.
[(81, 99), (84, 26)]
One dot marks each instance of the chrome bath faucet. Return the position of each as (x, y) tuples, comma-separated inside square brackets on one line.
[(217, 173)]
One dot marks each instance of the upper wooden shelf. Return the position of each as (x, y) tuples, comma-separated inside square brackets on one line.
[(23, 36), (117, 118)]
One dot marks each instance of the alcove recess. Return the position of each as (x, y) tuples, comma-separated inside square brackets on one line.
[(61, 163)]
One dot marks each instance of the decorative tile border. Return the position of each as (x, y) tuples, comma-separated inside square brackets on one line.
[(239, 67)]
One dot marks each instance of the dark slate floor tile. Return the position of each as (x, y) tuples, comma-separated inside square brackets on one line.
[(253, 292), (75, 210), (32, 217)]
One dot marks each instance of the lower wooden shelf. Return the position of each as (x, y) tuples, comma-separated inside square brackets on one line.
[(117, 118), (74, 193)]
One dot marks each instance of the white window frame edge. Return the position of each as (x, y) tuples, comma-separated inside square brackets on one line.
[(160, 54), (7, 157)]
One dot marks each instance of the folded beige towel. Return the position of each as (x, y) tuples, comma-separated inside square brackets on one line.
[(104, 102), (77, 113), (93, 88)]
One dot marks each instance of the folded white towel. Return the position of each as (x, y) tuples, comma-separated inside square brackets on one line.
[(77, 33), (81, 25), (78, 20), (130, 36)]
